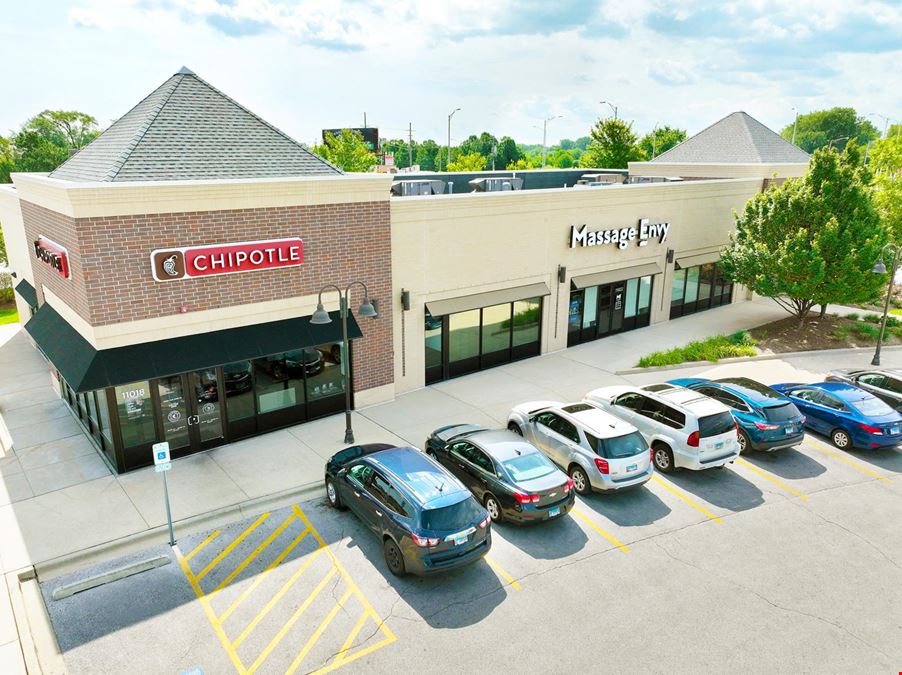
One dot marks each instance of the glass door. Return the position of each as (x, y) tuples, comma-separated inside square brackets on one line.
[(604, 311), (206, 413), (617, 305), (174, 411)]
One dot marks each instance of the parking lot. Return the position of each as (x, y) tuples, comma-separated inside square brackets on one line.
[(787, 561)]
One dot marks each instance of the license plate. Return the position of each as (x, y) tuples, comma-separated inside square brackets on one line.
[(718, 446), (460, 541), (556, 511), (790, 430), (632, 467), (894, 430)]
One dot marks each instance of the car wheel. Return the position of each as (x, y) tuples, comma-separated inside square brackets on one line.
[(841, 439), (393, 557), (663, 458), (580, 480), (513, 426), (333, 496), (494, 509), (743, 439)]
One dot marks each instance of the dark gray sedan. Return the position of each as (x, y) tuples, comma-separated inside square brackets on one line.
[(884, 383)]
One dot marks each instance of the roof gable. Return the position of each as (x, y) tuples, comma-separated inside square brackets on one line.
[(187, 129), (736, 139)]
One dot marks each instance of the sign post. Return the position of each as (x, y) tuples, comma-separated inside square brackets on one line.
[(162, 464)]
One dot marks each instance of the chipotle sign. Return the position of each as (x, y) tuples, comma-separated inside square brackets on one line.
[(52, 254), (189, 262)]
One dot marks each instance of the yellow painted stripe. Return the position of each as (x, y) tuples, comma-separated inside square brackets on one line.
[(228, 549), (349, 641), (262, 576), (356, 655), (211, 616), (317, 634), (253, 555), (499, 570), (200, 547), (679, 493), (278, 596), (772, 479), (579, 514), (283, 631), (818, 445)]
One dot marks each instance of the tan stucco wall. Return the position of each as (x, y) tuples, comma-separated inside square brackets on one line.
[(17, 246), (446, 246), (717, 170)]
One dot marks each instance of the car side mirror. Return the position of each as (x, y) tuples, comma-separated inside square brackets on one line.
[(342, 473)]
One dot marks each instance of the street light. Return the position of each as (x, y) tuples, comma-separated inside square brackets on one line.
[(321, 317), (448, 158), (886, 121), (613, 107), (795, 125), (841, 138), (545, 136), (880, 268)]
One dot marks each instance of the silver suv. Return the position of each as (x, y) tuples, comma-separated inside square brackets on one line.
[(686, 429), (597, 450)]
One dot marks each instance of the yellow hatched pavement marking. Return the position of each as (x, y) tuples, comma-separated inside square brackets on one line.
[(817, 445), (772, 479), (579, 514), (679, 493), (231, 547), (253, 555), (318, 633), (500, 571), (200, 547)]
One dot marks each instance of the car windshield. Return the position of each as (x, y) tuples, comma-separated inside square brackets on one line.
[(622, 446), (714, 425), (527, 467), (781, 413), (750, 385), (871, 407), (452, 518)]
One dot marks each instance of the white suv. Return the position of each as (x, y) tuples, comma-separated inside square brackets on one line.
[(597, 450), (686, 430)]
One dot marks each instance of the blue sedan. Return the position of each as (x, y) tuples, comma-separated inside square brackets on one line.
[(767, 419), (850, 416)]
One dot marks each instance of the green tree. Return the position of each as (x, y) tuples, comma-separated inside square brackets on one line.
[(886, 164), (613, 145), (560, 158), (811, 240), (471, 161), (426, 155), (347, 151), (507, 154), (44, 141), (661, 140), (894, 130), (481, 144), (399, 150), (817, 129), (7, 159)]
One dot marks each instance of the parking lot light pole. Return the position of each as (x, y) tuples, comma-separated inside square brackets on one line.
[(880, 268), (321, 317)]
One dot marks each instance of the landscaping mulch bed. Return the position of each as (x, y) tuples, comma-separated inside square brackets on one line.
[(829, 332)]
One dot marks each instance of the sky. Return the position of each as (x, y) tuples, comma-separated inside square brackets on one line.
[(305, 65)]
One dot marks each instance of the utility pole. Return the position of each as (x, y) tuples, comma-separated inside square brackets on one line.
[(795, 124), (545, 136), (654, 140), (448, 158), (410, 144), (364, 120)]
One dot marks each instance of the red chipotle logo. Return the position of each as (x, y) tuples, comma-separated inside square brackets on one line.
[(169, 264), (52, 254)]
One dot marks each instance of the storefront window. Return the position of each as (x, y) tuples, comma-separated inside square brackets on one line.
[(496, 328), (590, 307), (325, 379), (691, 294), (279, 379), (433, 332), (135, 410), (106, 431), (92, 413), (644, 294), (705, 281), (679, 285), (705, 287), (239, 388), (527, 318), (463, 335), (574, 318), (632, 296), (82, 408)]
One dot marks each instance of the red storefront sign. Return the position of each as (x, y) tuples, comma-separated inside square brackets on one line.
[(248, 256), (52, 254)]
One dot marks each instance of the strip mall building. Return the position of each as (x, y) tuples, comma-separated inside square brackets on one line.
[(170, 268)]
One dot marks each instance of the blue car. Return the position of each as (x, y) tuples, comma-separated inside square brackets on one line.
[(767, 419), (850, 416)]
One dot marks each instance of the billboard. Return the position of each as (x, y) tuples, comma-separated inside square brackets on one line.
[(370, 136)]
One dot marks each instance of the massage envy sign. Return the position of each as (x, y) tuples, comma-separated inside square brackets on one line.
[(582, 236)]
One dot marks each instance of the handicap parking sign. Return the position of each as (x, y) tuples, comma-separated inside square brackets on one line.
[(161, 453)]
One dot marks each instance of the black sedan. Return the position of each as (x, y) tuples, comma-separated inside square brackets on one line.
[(884, 383), (425, 518), (512, 478)]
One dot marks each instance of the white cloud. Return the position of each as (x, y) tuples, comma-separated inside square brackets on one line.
[(87, 18)]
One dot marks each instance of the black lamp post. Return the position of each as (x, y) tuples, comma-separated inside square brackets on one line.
[(321, 316), (880, 268)]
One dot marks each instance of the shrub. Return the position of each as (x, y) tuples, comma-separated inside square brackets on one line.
[(867, 331), (711, 349), (854, 316), (871, 318), (842, 332)]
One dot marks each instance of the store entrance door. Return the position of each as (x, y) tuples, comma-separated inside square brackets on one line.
[(191, 411)]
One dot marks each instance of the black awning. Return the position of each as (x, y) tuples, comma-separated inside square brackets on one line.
[(86, 368), (29, 295)]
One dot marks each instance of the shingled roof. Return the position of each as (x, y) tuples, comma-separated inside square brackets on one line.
[(188, 130), (736, 139)]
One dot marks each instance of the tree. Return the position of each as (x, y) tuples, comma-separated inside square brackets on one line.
[(45, 140), (817, 129), (347, 151), (399, 150), (886, 164), (507, 154), (811, 240), (7, 159), (426, 154), (894, 130), (661, 140), (471, 161), (482, 144), (613, 145), (560, 159)]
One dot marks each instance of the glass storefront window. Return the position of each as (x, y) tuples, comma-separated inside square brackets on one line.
[(135, 410), (279, 379), (644, 294), (691, 294), (676, 290), (705, 281), (106, 431), (239, 388), (590, 307), (463, 335), (574, 318), (92, 413), (705, 287), (632, 296), (527, 316), (433, 331), (82, 407), (326, 379), (496, 328)]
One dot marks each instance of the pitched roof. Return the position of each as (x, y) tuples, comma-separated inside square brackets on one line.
[(736, 139), (188, 130)]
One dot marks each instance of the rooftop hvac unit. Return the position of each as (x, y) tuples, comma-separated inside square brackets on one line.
[(596, 179), (408, 188), (496, 184), (652, 179)]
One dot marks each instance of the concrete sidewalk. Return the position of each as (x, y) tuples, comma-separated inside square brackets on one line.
[(57, 496)]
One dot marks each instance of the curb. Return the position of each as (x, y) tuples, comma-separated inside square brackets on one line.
[(68, 590), (759, 357), (37, 640), (138, 541)]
